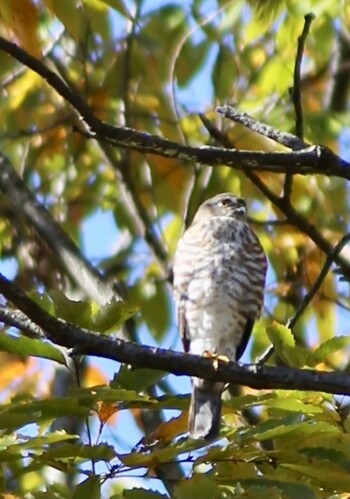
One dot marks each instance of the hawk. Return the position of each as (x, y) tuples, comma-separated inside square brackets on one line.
[(219, 278)]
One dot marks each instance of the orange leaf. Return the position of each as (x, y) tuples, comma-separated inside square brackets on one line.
[(168, 430), (106, 411), (12, 369)]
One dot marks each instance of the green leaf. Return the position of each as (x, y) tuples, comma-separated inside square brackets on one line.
[(112, 316), (292, 404), (289, 490), (29, 347), (224, 73), (328, 454), (158, 455), (283, 340), (155, 303), (291, 426), (330, 346), (17, 414), (12, 446), (119, 6), (280, 336), (272, 428), (141, 494), (105, 394), (54, 491), (89, 315), (332, 477), (136, 379), (198, 487), (90, 488), (80, 452), (69, 16), (43, 300)]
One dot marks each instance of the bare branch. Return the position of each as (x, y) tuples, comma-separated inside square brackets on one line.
[(292, 216), (296, 91), (283, 138), (317, 284), (85, 342), (19, 320), (296, 96), (312, 160)]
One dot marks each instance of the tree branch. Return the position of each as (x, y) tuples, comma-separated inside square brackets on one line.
[(76, 266), (317, 284), (82, 341), (296, 96), (296, 90), (19, 320), (292, 216), (312, 160), (283, 138)]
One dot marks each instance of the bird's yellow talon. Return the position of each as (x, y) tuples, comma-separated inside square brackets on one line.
[(216, 358)]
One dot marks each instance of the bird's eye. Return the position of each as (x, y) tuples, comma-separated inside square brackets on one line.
[(225, 202)]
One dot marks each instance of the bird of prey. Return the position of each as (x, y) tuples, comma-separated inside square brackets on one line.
[(219, 277)]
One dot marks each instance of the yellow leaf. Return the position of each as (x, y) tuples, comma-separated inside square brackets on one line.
[(20, 88), (10, 365), (94, 376), (169, 177), (21, 18), (168, 430)]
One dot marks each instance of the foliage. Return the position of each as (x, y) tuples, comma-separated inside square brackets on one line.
[(155, 67)]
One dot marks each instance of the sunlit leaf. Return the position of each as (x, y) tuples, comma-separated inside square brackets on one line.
[(22, 17), (68, 14), (330, 346), (168, 430), (90, 315), (37, 348)]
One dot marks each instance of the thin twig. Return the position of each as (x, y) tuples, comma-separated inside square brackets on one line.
[(296, 91), (317, 284), (331, 258), (293, 217), (296, 95), (286, 139)]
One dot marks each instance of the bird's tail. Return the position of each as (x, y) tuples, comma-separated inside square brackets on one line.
[(205, 409)]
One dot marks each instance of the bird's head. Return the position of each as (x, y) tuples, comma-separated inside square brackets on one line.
[(223, 205)]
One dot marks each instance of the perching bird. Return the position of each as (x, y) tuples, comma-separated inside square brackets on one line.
[(219, 278)]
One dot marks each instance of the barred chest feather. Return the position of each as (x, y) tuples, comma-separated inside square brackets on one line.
[(219, 280)]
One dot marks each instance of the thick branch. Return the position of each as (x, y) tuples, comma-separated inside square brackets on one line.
[(77, 267), (315, 159), (87, 343)]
